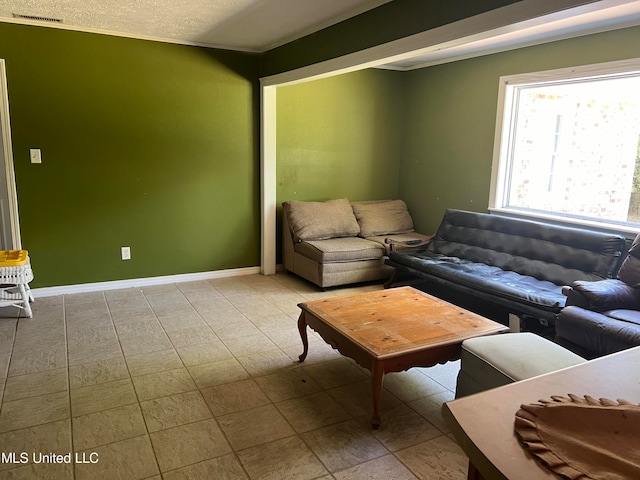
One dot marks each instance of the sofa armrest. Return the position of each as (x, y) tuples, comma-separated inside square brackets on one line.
[(413, 244), (603, 295)]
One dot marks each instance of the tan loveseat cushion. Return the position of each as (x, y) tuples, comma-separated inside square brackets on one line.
[(321, 220), (383, 217), (347, 249)]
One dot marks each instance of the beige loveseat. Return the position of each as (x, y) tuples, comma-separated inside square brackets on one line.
[(337, 242)]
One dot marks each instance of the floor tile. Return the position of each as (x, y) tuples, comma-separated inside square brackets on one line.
[(107, 426), (189, 319), (102, 397), (437, 458), (249, 428), (95, 373), (264, 363), (411, 385), (383, 468), (192, 336), (92, 353), (28, 412), (153, 362), (217, 373), (203, 353), (130, 459), (202, 380), (189, 444), (38, 360), (402, 427), (40, 471), (343, 445), (250, 344), (226, 467), (147, 325), (357, 399), (287, 384), (431, 408), (286, 458), (36, 384), (312, 411), (138, 344), (335, 373), (48, 437), (168, 412), (233, 397), (164, 383)]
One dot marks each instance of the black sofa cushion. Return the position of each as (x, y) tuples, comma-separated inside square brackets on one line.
[(596, 333), (513, 262), (489, 279)]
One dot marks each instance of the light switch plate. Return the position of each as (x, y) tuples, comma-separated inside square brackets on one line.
[(36, 156)]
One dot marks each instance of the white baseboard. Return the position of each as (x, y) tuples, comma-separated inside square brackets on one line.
[(142, 282)]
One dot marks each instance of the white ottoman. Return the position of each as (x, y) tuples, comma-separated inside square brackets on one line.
[(495, 360)]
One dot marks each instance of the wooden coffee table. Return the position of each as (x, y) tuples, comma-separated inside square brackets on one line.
[(392, 330)]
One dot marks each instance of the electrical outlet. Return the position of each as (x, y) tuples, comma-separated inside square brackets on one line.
[(126, 253)]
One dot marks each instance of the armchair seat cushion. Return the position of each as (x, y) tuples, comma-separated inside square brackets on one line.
[(598, 333), (628, 316), (346, 249)]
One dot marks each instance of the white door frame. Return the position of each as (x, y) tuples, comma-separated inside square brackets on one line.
[(9, 198)]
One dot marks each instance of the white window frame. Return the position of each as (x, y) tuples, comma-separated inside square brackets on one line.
[(500, 168)]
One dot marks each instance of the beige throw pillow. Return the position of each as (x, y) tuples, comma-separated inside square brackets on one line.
[(321, 220), (384, 217)]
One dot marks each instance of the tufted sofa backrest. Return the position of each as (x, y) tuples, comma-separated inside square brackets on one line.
[(541, 250)]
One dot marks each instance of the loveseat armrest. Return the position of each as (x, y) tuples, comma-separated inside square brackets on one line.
[(603, 295), (413, 244)]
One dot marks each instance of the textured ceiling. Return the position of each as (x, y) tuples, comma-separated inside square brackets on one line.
[(250, 25)]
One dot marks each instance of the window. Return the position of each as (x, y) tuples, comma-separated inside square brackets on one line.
[(568, 144)]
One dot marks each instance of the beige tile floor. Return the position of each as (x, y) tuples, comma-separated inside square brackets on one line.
[(201, 381)]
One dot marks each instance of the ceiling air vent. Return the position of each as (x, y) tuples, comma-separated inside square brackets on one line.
[(37, 18)]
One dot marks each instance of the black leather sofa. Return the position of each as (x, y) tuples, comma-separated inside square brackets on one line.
[(520, 265), (603, 317)]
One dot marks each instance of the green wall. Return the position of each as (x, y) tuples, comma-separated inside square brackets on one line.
[(144, 144), (451, 113), (340, 137)]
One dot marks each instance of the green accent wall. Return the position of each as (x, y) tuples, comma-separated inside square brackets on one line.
[(144, 144), (340, 137), (450, 120)]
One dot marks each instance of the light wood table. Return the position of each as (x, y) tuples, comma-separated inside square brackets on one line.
[(483, 424), (392, 330)]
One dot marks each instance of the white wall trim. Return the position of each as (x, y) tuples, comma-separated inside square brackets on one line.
[(7, 153), (268, 180), (142, 282)]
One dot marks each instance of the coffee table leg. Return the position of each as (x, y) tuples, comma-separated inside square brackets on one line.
[(376, 389), (302, 328)]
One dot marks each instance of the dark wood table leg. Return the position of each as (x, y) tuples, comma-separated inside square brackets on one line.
[(473, 473), (302, 328), (376, 389)]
